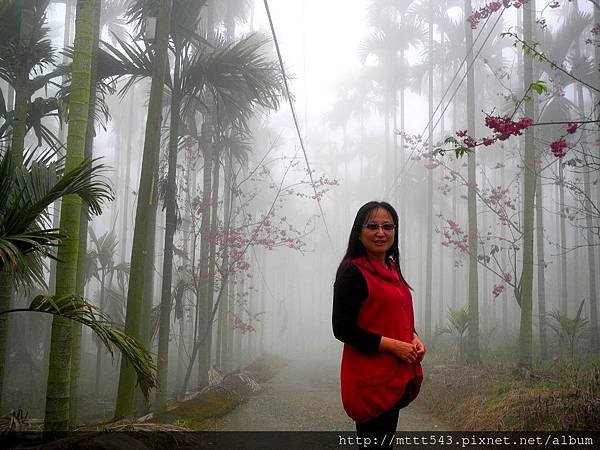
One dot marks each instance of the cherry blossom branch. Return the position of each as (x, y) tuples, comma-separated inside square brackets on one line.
[(487, 10)]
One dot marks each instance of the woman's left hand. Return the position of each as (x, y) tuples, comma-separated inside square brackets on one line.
[(416, 341)]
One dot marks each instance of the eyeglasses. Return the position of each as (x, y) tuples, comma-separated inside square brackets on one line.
[(372, 226)]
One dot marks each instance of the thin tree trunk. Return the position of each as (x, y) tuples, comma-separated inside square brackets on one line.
[(402, 163), (595, 328), (205, 304), (225, 307), (146, 327), (592, 274), (126, 201), (428, 243), (473, 331), (541, 264), (526, 328), (76, 327), (563, 239), (229, 186), (6, 286), (212, 258), (160, 403), (19, 130), (145, 203), (61, 138), (58, 388), (22, 94), (83, 225), (99, 342)]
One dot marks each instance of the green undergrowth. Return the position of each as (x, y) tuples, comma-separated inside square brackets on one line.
[(220, 399), (556, 395)]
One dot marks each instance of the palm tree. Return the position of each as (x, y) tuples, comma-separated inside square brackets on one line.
[(223, 69), (26, 191), (23, 47), (102, 258), (58, 392), (568, 329), (246, 81), (393, 33), (184, 18), (460, 320), (146, 205)]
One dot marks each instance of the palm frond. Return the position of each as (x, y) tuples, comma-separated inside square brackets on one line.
[(113, 17), (38, 53), (565, 327), (76, 308), (236, 77), (184, 17), (25, 194), (130, 59), (459, 320)]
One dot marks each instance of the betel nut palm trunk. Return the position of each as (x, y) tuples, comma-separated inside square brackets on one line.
[(58, 389), (146, 199)]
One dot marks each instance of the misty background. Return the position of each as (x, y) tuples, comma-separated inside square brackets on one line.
[(377, 87)]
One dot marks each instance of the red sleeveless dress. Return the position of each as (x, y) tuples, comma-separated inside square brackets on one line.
[(373, 384)]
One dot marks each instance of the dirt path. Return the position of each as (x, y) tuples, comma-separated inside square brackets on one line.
[(305, 396)]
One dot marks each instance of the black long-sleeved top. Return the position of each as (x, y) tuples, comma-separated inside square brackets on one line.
[(349, 292)]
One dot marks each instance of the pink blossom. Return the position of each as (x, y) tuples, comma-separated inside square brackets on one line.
[(469, 142), (487, 10), (572, 127), (505, 127), (498, 289), (559, 147)]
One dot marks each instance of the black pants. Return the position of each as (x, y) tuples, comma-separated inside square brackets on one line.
[(378, 433)]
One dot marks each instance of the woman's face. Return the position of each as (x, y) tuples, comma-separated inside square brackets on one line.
[(374, 237)]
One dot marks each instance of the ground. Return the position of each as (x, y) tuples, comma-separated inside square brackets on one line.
[(305, 395)]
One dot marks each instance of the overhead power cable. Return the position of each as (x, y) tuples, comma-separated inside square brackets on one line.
[(406, 165), (287, 91)]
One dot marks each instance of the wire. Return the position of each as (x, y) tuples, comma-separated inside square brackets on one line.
[(287, 91), (406, 165)]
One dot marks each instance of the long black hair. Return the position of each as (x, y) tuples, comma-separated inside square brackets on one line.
[(355, 246)]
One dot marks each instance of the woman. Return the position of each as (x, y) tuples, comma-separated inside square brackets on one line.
[(373, 315)]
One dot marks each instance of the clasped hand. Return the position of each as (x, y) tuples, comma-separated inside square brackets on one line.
[(410, 352)]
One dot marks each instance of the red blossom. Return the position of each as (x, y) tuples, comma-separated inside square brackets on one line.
[(498, 289), (505, 127), (487, 10), (572, 127), (469, 142), (242, 326), (559, 147)]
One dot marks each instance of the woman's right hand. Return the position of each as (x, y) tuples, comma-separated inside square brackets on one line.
[(404, 351)]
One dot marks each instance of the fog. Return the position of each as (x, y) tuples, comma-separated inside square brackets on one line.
[(377, 88)]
